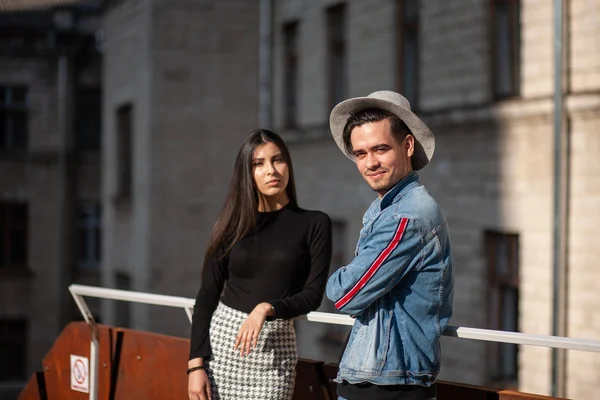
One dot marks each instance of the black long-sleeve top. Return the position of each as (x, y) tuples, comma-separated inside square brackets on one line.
[(284, 262)]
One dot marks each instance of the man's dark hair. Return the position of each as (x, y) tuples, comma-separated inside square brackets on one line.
[(399, 128)]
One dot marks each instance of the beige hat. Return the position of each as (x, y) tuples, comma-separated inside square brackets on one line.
[(396, 104)]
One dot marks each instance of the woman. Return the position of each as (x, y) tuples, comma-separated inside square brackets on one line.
[(266, 263)]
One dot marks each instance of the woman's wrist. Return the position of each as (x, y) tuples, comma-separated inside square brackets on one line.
[(266, 309), (194, 362)]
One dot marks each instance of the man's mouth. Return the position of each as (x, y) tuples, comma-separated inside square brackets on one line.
[(375, 175)]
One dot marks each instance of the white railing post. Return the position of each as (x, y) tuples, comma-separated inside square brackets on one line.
[(190, 312), (89, 319)]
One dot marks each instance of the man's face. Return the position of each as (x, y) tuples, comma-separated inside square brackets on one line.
[(380, 158)]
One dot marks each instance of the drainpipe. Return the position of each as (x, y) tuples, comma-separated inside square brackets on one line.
[(63, 274), (559, 301), (264, 63)]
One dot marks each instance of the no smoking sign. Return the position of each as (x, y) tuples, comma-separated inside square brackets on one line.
[(80, 374)]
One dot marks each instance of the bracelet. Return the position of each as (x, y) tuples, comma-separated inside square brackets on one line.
[(196, 368)]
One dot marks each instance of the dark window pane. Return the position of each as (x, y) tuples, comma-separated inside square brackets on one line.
[(13, 118), (88, 119), (13, 339), (411, 60), (503, 312), (122, 308), (503, 50), (19, 95), (410, 10), (407, 36), (3, 243), (88, 232), (19, 214), (290, 73), (97, 244), (18, 247), (3, 131), (337, 73), (507, 47), (124, 151)]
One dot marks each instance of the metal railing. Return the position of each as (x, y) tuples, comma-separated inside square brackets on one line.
[(80, 291)]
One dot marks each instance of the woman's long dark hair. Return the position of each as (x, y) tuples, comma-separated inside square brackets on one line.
[(238, 215)]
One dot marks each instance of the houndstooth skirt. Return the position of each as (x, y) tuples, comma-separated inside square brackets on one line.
[(267, 373)]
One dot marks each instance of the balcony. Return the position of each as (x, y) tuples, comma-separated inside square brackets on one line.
[(101, 362)]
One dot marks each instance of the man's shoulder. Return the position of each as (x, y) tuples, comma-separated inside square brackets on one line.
[(418, 204)]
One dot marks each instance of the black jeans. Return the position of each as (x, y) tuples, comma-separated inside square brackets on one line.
[(397, 392)]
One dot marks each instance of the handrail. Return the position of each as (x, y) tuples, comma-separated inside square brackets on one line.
[(489, 335), (79, 291)]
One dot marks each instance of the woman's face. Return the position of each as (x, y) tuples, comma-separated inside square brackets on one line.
[(270, 170)]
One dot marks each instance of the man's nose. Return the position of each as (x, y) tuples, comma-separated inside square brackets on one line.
[(372, 161)]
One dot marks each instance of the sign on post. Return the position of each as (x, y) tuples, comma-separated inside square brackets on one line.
[(80, 379)]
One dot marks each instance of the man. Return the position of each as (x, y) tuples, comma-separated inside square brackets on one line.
[(400, 285)]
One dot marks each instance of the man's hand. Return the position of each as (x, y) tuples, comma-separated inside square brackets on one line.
[(247, 337)]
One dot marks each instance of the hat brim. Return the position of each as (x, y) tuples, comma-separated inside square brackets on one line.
[(424, 139)]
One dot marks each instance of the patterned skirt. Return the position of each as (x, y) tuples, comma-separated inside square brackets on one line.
[(267, 373)]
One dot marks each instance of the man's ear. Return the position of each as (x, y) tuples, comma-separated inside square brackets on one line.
[(409, 145)]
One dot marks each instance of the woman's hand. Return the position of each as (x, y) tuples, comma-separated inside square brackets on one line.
[(247, 337), (198, 382)]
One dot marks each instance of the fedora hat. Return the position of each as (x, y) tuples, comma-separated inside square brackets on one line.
[(394, 103)]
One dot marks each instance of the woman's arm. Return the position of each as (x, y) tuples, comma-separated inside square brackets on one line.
[(214, 275), (309, 298)]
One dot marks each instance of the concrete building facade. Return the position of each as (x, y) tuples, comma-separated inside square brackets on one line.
[(480, 73), (180, 91), (50, 215)]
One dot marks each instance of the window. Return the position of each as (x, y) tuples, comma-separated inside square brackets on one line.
[(407, 31), (290, 65), (122, 312), (13, 342), (14, 217), (89, 235), (503, 308), (13, 118), (124, 152), (506, 47), (336, 61), (88, 119)]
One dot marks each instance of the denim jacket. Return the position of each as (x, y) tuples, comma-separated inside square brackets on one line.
[(399, 288)]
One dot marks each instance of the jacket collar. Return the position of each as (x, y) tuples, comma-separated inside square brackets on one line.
[(398, 191)]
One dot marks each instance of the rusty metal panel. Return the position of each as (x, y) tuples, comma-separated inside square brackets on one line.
[(151, 366), (35, 389), (75, 339), (512, 395)]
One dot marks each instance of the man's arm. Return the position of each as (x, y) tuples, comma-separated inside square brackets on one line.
[(391, 250)]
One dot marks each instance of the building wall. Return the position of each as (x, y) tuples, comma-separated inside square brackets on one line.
[(190, 69), (44, 176), (35, 178), (493, 166), (204, 103), (127, 79)]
